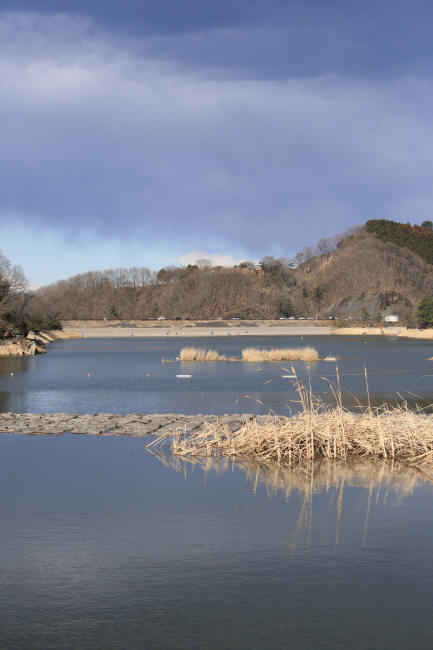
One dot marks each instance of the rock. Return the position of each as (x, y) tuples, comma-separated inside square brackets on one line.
[(21, 347), (39, 347)]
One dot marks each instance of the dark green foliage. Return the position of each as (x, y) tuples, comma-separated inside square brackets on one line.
[(319, 292), (285, 308), (428, 225), (365, 314), (17, 322), (418, 239), (424, 313), (188, 270), (112, 313)]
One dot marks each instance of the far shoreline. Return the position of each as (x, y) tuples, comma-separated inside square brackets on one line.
[(209, 329)]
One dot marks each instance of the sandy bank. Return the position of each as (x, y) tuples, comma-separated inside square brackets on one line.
[(194, 329), (113, 332), (387, 331)]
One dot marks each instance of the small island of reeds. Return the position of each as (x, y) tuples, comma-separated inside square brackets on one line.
[(317, 431), (252, 355)]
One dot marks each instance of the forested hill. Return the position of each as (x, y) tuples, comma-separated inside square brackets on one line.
[(383, 267), (418, 239)]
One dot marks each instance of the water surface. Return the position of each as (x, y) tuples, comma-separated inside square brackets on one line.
[(127, 375), (105, 546)]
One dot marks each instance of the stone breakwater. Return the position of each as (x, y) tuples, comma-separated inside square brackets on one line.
[(106, 424)]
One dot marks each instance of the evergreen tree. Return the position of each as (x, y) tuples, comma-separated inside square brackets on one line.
[(424, 313)]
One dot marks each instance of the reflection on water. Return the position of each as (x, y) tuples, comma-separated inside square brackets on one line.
[(104, 546), (377, 479)]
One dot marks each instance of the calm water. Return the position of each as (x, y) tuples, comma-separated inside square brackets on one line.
[(127, 375), (105, 546)]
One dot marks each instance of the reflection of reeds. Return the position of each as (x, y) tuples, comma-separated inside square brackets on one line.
[(317, 431), (309, 477), (252, 355), (377, 478)]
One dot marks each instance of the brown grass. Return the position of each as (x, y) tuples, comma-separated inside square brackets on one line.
[(317, 432), (201, 354), (252, 355), (255, 355)]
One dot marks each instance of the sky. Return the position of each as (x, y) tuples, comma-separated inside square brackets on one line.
[(156, 132)]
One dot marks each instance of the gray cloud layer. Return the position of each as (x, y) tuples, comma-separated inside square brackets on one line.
[(97, 137)]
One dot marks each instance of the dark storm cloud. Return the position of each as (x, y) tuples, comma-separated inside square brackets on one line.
[(267, 39), (101, 133)]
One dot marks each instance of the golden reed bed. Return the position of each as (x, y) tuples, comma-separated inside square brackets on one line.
[(252, 355), (318, 431)]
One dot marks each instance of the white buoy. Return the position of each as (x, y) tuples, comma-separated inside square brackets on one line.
[(12, 374), (183, 376)]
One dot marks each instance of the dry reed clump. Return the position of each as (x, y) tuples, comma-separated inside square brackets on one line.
[(335, 434), (317, 431), (256, 355), (253, 355), (201, 354)]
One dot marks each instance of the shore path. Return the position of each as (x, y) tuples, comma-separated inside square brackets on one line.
[(209, 329), (116, 425), (194, 329)]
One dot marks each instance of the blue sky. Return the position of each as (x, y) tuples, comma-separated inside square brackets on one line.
[(140, 133)]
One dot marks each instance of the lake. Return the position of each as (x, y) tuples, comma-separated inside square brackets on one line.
[(127, 375), (106, 546)]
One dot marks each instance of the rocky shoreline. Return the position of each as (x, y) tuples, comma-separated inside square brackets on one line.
[(33, 343)]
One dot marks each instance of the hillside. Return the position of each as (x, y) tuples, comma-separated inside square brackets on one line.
[(418, 239), (367, 274)]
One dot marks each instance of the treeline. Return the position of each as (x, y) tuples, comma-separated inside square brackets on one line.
[(338, 277), (418, 239), (17, 316)]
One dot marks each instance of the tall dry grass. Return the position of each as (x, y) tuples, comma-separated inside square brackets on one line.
[(201, 354), (256, 355), (252, 355), (318, 431)]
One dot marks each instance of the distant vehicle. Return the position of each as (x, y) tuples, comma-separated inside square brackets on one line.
[(161, 317), (330, 318), (236, 318), (310, 318), (282, 317), (301, 318), (151, 318), (291, 318)]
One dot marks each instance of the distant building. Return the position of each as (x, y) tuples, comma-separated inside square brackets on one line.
[(391, 318)]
